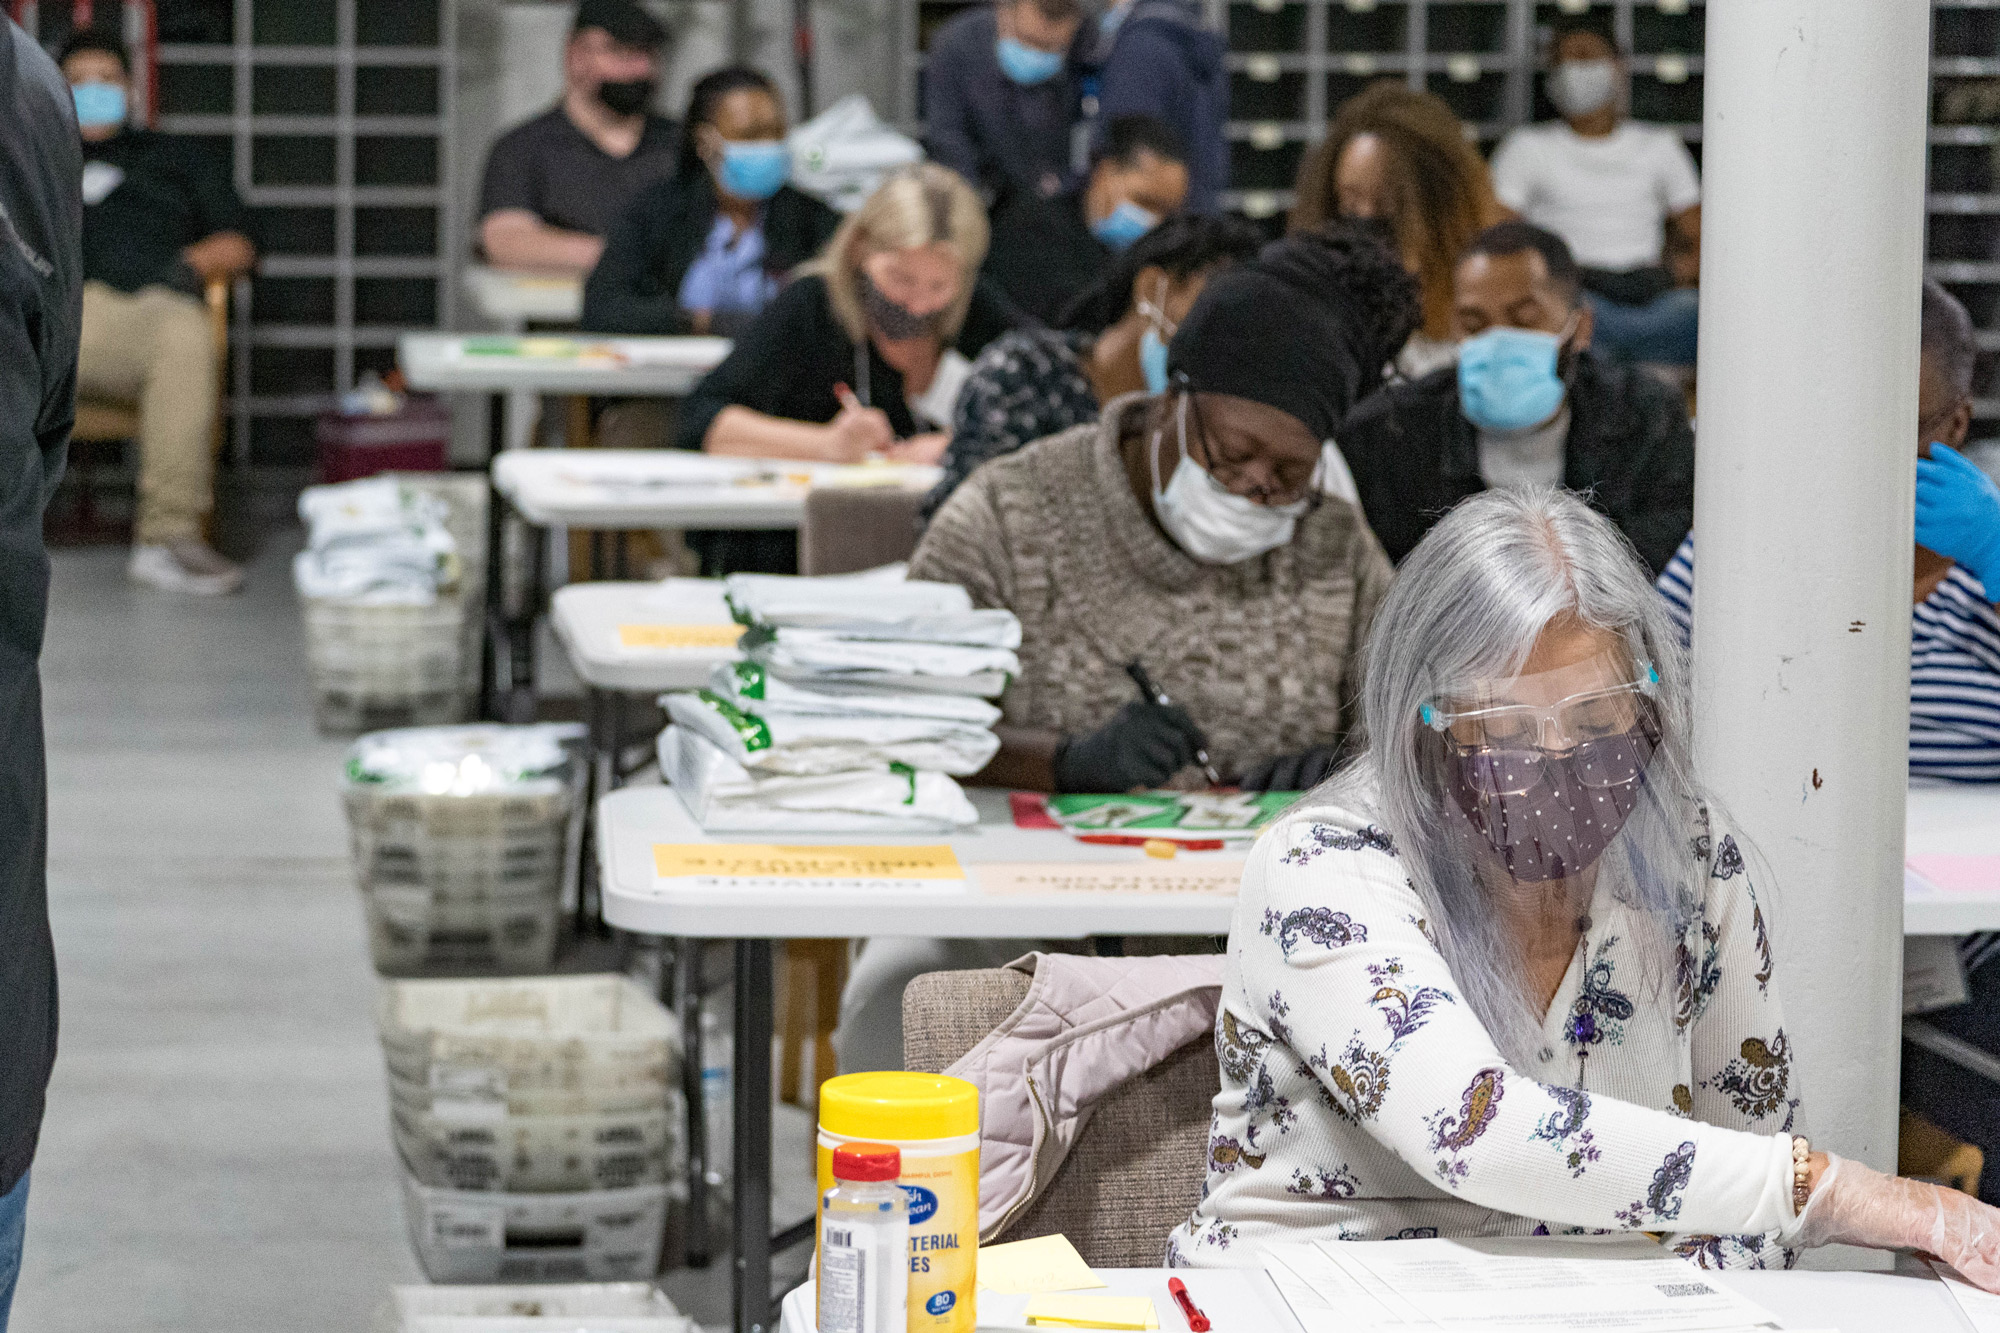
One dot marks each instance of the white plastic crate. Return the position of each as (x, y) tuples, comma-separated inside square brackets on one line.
[(413, 930), (417, 1096), (578, 1034), (598, 1236), (473, 1144), (519, 1324), (466, 495), (559, 1301), (383, 666), (489, 844)]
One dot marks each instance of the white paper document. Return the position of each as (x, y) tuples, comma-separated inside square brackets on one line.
[(1528, 1284), (1980, 1308)]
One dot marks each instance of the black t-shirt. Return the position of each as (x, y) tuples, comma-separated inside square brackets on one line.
[(1042, 255), (147, 197), (551, 168), (40, 289)]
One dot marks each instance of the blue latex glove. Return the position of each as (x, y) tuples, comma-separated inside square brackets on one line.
[(1958, 513)]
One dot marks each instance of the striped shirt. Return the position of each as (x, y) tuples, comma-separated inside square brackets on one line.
[(1954, 671)]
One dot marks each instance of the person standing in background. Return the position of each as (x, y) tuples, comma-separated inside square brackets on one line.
[(1157, 58), (1623, 195), (1399, 157), (1000, 96), (160, 222), (555, 184), (41, 295)]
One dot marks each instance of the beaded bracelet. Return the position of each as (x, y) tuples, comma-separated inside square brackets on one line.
[(1801, 1172)]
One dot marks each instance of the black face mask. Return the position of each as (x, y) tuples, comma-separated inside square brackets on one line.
[(629, 97), (893, 320)]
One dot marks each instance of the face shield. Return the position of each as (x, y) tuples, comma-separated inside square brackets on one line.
[(1546, 768)]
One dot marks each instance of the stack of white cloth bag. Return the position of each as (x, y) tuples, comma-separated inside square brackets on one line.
[(861, 699), (376, 542)]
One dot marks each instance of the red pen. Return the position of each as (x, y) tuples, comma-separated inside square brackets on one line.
[(1196, 1320)]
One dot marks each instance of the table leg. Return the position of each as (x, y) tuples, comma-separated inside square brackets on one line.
[(521, 637), (594, 789), (619, 549), (752, 1148), (687, 996), (495, 609)]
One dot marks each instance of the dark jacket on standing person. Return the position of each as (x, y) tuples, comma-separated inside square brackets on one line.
[(1163, 62), (988, 128), (1630, 452), (636, 286), (41, 293)]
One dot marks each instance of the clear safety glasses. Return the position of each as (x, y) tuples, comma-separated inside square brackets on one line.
[(1604, 737)]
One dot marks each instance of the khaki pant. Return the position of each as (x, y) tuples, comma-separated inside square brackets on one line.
[(152, 349)]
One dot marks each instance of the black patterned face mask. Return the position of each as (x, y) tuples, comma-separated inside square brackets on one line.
[(893, 320), (1549, 815)]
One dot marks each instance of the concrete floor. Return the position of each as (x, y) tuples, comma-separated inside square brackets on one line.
[(216, 1155)]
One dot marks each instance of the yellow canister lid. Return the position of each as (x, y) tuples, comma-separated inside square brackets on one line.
[(894, 1104)]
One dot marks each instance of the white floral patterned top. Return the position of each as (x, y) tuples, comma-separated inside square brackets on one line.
[(1363, 1100)]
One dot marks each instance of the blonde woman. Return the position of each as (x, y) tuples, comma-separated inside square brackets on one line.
[(862, 354)]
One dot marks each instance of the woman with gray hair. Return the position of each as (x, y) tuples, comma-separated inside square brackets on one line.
[(1508, 972)]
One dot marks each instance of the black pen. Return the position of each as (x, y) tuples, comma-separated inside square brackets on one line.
[(1154, 694)]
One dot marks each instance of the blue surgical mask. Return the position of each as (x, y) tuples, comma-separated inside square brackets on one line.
[(1027, 65), (754, 168), (1124, 225), (1507, 378), (1153, 360), (98, 104)]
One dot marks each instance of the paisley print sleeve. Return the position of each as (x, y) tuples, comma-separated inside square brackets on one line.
[(1741, 1052), (1342, 983)]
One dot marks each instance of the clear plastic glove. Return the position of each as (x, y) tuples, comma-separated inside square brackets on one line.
[(1852, 1205), (1958, 513), (1143, 745)]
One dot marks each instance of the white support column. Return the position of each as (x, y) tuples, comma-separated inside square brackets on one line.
[(1812, 247)]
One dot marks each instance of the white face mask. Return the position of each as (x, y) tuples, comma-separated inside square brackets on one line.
[(1579, 87), (1208, 520)]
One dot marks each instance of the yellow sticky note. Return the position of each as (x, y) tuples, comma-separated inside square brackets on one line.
[(767, 861), (1022, 1267), (1056, 1311), (679, 636)]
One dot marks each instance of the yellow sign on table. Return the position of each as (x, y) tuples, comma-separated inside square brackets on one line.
[(1046, 1263), (679, 636), (750, 860), (1059, 1311)]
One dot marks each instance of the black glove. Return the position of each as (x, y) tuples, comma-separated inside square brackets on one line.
[(1291, 772), (1142, 746)]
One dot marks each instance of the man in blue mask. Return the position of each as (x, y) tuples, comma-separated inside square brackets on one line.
[(1000, 96), (1046, 253), (161, 221), (1527, 404)]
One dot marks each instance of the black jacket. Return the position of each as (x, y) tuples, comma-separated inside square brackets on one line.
[(636, 285), (1630, 452), (1042, 256), (41, 287)]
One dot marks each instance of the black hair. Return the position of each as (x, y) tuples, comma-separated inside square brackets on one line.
[(1183, 245), (98, 39), (707, 94), (1948, 338), (1353, 266), (1586, 27), (1055, 11), (1513, 238), (1128, 136), (622, 21)]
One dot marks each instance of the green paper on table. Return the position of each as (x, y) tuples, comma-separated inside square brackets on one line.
[(1023, 1267), (1060, 1311)]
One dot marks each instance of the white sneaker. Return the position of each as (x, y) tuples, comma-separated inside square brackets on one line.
[(186, 564)]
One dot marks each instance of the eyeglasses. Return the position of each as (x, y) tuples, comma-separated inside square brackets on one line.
[(1606, 736), (1296, 478)]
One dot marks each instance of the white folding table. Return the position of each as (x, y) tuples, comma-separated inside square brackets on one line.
[(632, 821), (1957, 820), (1242, 1300), (515, 298)]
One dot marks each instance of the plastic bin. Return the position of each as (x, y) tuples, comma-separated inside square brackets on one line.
[(413, 929), (486, 845), (475, 1145), (528, 1102), (386, 666), (566, 1302), (466, 495), (433, 1323), (474, 1236), (553, 1034), (417, 435)]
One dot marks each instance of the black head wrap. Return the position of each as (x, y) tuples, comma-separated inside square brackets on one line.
[(1307, 327)]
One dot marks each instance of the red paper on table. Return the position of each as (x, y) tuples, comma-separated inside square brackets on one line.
[(1031, 810), (1958, 874)]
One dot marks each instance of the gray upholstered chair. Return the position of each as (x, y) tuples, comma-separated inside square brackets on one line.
[(1136, 1170), (849, 529)]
